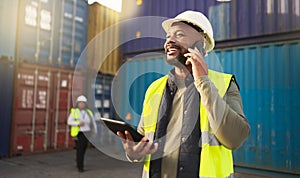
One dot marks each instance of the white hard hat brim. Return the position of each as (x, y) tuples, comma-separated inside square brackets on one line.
[(168, 23)]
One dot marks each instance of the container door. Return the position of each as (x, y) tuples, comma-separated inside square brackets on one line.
[(35, 31), (31, 111), (62, 103), (71, 32), (61, 107)]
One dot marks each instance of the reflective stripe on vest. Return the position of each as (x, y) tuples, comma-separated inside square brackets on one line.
[(75, 112), (217, 160)]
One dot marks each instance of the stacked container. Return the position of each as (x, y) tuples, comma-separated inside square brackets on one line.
[(103, 56), (103, 37), (41, 44), (103, 62), (51, 32), (42, 101), (258, 42), (234, 20), (103, 96)]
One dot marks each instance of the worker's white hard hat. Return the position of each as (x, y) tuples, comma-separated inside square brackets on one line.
[(198, 19), (81, 98)]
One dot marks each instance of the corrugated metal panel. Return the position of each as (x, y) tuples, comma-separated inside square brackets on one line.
[(72, 31), (270, 84), (51, 32), (220, 20), (64, 88), (230, 20), (103, 36), (8, 29), (42, 101), (35, 31), (250, 18), (131, 82), (162, 9), (6, 95)]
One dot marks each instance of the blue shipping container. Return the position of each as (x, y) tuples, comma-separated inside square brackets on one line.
[(51, 32), (270, 83), (269, 80), (130, 84), (72, 31), (139, 30), (230, 20), (6, 95), (102, 96)]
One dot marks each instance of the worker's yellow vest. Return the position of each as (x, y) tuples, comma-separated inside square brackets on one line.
[(75, 112), (215, 159)]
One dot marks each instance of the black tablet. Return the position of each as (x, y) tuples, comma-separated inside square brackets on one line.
[(121, 126)]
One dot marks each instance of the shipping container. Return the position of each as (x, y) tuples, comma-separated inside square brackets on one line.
[(236, 19), (131, 82), (105, 140), (102, 89), (72, 31), (42, 100), (103, 37), (6, 95), (46, 32), (8, 29), (269, 82)]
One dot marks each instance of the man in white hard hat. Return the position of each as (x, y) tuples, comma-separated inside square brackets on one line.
[(82, 124), (193, 117)]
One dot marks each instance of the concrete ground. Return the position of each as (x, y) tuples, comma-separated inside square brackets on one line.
[(62, 164)]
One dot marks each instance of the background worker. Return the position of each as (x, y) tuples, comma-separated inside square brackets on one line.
[(83, 125), (193, 117)]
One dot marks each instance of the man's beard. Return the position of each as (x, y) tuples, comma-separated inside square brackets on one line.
[(178, 61)]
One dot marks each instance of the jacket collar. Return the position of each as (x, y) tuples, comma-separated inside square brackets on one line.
[(172, 79)]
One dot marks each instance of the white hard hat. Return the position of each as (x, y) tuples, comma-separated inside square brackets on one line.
[(198, 19), (81, 98)]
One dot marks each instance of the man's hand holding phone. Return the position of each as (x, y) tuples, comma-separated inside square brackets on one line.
[(195, 57), (137, 150)]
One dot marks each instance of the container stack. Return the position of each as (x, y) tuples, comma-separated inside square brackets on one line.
[(41, 44), (102, 56), (46, 61), (258, 42)]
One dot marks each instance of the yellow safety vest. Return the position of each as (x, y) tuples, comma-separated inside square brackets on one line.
[(215, 158), (75, 112)]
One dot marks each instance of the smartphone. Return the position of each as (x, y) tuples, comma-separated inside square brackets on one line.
[(197, 46), (200, 48)]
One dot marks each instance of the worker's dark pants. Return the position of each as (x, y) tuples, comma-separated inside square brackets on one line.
[(81, 145)]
